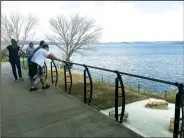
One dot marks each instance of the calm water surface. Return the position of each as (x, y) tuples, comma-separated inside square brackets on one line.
[(161, 61)]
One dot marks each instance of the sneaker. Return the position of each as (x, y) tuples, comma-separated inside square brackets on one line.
[(36, 81), (16, 80), (21, 79), (33, 89), (46, 86)]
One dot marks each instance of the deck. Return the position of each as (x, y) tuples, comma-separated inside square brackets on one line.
[(50, 113)]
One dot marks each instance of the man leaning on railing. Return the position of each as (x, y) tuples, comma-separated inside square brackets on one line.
[(37, 63), (30, 51)]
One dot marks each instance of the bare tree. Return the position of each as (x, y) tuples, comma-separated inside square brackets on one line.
[(73, 35), (17, 27)]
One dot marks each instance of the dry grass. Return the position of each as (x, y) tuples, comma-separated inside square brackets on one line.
[(103, 93), (4, 59)]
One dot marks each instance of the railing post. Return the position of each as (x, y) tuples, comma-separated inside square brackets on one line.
[(65, 78), (53, 65), (85, 86), (178, 102), (182, 106), (45, 70), (51, 72), (102, 79), (165, 95), (122, 96), (138, 88), (90, 84), (67, 67), (116, 99)]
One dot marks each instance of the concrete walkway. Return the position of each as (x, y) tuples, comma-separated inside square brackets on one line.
[(50, 113)]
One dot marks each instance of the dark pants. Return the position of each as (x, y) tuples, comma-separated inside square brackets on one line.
[(35, 70), (14, 64), (28, 64)]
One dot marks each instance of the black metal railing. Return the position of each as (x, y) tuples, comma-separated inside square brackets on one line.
[(45, 71), (54, 73), (118, 81), (119, 85), (87, 92), (179, 113), (67, 76), (178, 130)]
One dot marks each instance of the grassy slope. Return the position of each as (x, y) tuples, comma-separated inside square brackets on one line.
[(6, 59), (103, 93)]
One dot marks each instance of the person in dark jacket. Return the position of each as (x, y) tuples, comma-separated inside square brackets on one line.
[(14, 59), (40, 46)]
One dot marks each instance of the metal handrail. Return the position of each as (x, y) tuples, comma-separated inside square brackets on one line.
[(119, 74), (128, 74)]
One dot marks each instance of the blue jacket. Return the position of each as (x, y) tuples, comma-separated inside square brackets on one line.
[(30, 57)]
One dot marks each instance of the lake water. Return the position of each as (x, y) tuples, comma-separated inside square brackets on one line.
[(161, 61)]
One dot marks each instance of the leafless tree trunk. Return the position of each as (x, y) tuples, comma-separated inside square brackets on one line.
[(17, 27), (73, 36)]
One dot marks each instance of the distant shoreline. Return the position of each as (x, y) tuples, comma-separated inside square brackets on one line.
[(125, 42), (146, 42), (137, 42)]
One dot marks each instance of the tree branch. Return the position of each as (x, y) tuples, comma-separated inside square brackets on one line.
[(16, 27), (73, 34)]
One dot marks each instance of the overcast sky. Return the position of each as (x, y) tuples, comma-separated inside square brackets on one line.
[(121, 21)]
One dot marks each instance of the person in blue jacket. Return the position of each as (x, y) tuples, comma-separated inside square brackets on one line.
[(29, 51)]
